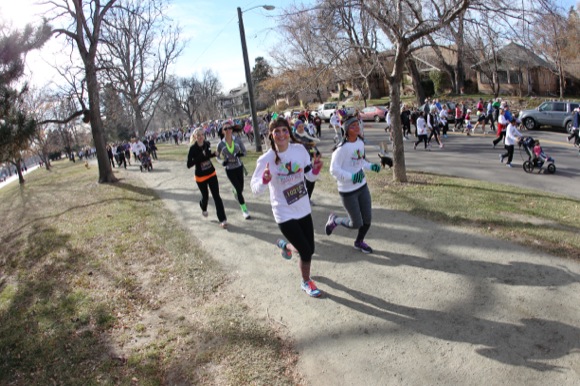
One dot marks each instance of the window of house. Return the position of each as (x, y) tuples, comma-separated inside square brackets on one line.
[(502, 77), (515, 77), (483, 78)]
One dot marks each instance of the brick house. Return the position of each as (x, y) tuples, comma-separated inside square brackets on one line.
[(519, 72)]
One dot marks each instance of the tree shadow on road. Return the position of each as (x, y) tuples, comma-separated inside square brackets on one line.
[(526, 344)]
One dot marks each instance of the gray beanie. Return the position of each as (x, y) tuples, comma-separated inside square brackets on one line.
[(349, 122)]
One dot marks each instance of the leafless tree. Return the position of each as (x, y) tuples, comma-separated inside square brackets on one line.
[(196, 98), (362, 61), (139, 45), (118, 122), (307, 50), (82, 28), (552, 35), (484, 41), (39, 102), (404, 24)]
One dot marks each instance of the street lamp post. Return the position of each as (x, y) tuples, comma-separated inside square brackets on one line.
[(249, 82)]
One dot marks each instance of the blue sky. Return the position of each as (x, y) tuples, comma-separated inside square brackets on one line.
[(214, 37), (210, 26)]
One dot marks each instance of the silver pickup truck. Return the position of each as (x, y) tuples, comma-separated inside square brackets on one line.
[(550, 113)]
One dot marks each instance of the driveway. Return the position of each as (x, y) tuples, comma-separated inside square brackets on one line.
[(432, 305)]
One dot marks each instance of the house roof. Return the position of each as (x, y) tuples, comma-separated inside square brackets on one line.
[(514, 55)]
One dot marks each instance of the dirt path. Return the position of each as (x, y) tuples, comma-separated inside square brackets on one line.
[(431, 305)]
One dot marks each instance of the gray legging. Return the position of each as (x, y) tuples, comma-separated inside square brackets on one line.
[(359, 208)]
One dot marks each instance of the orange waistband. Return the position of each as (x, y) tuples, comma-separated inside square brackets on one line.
[(204, 178)]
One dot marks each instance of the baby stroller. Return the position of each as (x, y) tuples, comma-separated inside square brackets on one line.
[(533, 161), (145, 159)]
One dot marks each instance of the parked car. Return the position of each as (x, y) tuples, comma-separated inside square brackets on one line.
[(326, 110), (373, 113), (551, 113), (450, 106)]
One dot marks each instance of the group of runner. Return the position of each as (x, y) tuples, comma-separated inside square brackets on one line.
[(289, 170)]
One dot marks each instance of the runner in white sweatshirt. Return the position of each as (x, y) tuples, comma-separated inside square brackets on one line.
[(282, 170), (346, 166)]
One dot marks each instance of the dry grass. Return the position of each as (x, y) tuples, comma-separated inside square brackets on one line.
[(99, 284)]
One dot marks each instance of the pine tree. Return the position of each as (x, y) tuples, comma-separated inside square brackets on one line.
[(16, 126)]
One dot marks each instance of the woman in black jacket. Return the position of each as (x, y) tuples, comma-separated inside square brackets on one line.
[(205, 174)]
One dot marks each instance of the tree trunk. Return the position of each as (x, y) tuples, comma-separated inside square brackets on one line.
[(19, 171), (561, 79), (139, 129), (105, 170), (416, 77), (399, 168), (319, 95)]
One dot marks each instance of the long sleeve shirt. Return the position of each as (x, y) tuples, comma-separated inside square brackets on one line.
[(232, 153), (138, 147), (512, 134), (347, 159), (421, 126), (199, 156), (288, 194)]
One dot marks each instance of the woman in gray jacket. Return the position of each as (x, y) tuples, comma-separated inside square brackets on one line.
[(229, 151)]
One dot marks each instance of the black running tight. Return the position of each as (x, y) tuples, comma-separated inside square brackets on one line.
[(300, 233), (236, 177)]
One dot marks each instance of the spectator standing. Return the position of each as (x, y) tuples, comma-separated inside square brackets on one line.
[(110, 155)]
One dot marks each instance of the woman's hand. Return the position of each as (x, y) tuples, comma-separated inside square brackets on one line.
[(266, 176), (317, 164)]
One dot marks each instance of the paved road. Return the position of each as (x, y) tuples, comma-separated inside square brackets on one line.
[(474, 157), (437, 305)]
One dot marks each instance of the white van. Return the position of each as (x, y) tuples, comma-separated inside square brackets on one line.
[(326, 110)]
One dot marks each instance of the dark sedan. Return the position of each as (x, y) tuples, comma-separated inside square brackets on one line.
[(373, 113)]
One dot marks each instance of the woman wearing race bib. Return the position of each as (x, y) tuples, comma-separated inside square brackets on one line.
[(200, 155), (282, 170), (229, 150), (346, 166)]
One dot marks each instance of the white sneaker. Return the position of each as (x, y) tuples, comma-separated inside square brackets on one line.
[(246, 214), (224, 224)]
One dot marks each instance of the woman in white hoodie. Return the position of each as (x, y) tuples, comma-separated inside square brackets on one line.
[(346, 166), (512, 136), (282, 170)]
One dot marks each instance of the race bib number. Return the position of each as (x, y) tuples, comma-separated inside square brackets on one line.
[(205, 165), (295, 193)]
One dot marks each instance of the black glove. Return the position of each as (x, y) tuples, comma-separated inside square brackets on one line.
[(225, 162)]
